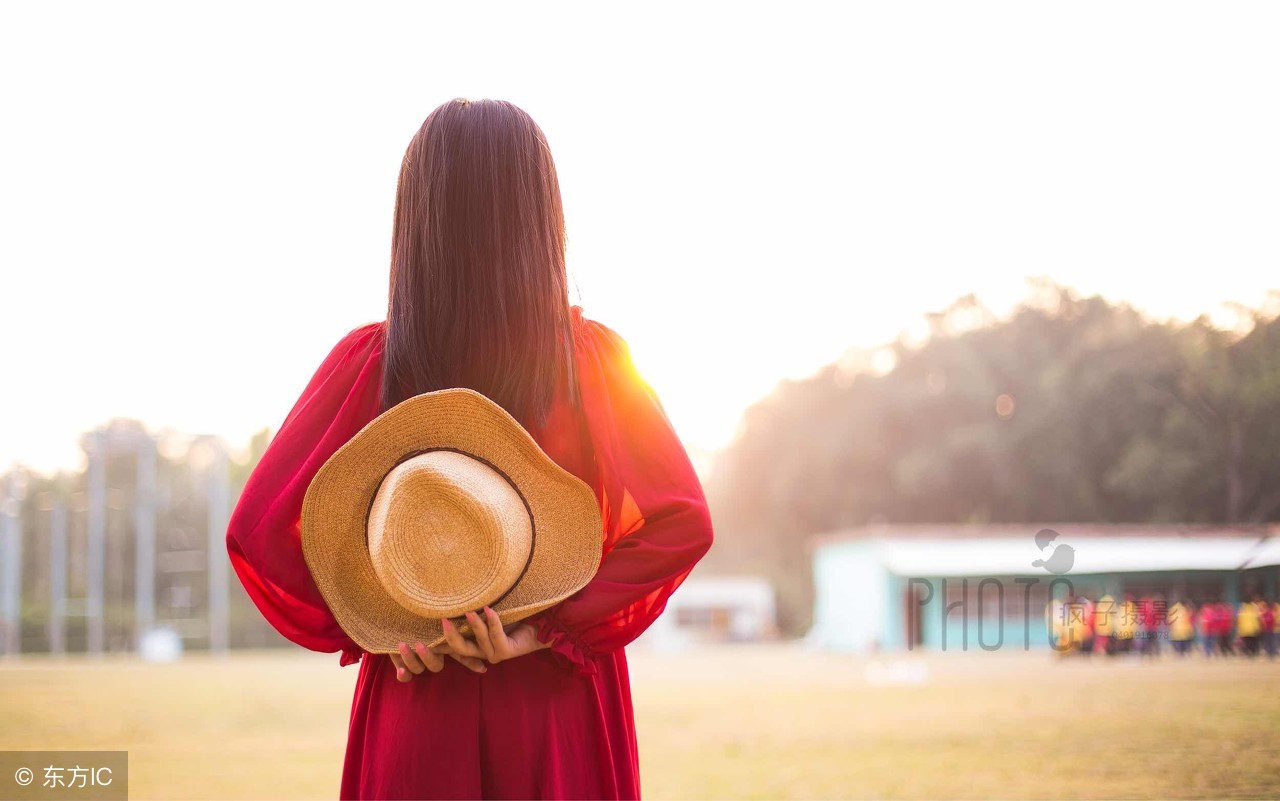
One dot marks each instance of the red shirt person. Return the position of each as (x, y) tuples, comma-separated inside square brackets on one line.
[(1224, 620), (1150, 614), (1208, 625), (557, 722)]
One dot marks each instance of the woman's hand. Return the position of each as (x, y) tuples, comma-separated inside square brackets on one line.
[(413, 661), (492, 642)]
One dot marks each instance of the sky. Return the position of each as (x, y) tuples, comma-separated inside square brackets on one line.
[(197, 198)]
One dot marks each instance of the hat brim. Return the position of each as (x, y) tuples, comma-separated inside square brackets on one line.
[(568, 533)]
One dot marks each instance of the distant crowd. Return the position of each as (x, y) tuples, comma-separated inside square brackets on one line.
[(1139, 625)]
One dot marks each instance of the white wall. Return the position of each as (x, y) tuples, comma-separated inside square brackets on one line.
[(851, 588)]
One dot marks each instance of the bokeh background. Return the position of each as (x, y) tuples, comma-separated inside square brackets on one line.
[(967, 314)]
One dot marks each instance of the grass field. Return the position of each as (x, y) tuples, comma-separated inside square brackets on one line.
[(733, 722)]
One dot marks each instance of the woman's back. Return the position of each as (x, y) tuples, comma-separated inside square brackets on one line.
[(556, 722)]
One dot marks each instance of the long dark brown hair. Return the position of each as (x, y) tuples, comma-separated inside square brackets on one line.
[(479, 295)]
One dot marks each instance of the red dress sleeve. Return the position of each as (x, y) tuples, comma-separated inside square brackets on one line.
[(263, 538), (656, 521)]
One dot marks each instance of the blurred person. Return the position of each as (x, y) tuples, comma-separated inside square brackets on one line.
[(1071, 624), (1224, 625), (1150, 619), (1208, 623), (1127, 625), (1104, 622), (478, 298), (1249, 626), (1085, 607), (1182, 629), (1268, 616), (1058, 615)]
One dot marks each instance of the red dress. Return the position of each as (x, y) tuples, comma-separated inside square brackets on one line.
[(556, 723)]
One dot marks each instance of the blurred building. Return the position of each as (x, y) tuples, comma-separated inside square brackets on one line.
[(715, 609), (962, 587), (128, 550)]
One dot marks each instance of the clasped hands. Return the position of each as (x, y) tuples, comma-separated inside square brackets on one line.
[(489, 643)]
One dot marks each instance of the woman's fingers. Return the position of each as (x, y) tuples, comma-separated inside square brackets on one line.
[(402, 673), (497, 635), (481, 632), (472, 663), (458, 644), (412, 662), (433, 660)]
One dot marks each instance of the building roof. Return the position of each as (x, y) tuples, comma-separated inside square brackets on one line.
[(1012, 550), (1268, 554), (1026, 531)]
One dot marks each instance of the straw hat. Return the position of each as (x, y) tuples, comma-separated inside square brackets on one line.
[(440, 505)]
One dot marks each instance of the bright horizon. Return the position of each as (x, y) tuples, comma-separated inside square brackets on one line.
[(199, 203)]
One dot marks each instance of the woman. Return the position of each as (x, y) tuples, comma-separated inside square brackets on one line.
[(479, 299)]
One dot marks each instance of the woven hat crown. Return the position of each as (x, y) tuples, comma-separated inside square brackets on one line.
[(447, 533)]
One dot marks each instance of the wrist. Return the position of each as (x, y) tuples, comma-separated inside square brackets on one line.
[(528, 635), (538, 645)]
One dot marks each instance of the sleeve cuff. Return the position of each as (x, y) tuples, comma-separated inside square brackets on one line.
[(581, 659), (350, 655)]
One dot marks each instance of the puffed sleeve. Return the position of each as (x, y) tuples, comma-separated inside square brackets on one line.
[(263, 536), (656, 522)]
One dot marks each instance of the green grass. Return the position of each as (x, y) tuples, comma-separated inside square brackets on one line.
[(734, 722)]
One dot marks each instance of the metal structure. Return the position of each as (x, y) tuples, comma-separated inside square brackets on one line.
[(219, 511), (58, 577), (11, 563)]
